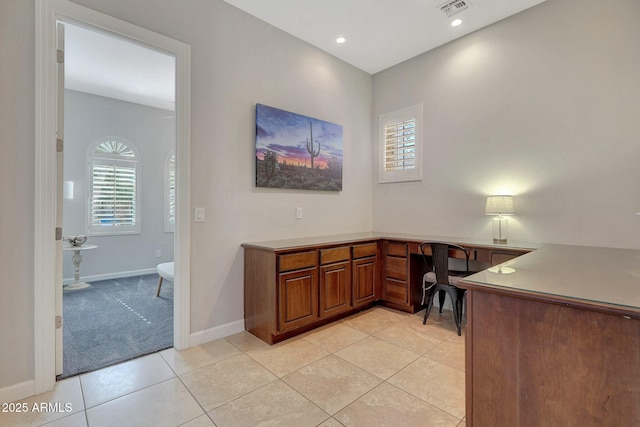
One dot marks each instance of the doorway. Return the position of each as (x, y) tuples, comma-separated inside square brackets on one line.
[(47, 236), (119, 160)]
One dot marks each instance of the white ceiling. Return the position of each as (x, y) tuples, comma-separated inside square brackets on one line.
[(379, 33), (108, 66)]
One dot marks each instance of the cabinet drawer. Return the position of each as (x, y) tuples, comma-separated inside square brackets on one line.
[(397, 249), (361, 251), (297, 261), (328, 256), (396, 291), (396, 268)]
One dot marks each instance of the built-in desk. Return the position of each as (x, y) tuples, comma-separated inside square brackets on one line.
[(556, 340), (293, 285)]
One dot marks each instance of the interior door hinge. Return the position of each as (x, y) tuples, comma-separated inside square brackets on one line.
[(58, 233), (58, 322), (60, 56), (59, 145)]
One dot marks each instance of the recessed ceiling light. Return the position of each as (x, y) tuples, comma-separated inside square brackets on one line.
[(456, 22), (340, 40)]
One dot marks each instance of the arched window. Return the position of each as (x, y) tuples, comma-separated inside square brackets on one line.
[(170, 192), (114, 188)]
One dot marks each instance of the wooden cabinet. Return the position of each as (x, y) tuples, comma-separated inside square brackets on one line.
[(298, 302), (335, 281), (289, 292), (396, 262), (498, 256), (534, 359), (365, 274), (297, 290), (290, 289)]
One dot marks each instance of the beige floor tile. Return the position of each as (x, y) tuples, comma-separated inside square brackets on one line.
[(246, 341), (390, 314), (377, 357), (332, 422), (374, 320), (439, 326), (286, 357), (389, 406), (109, 383), (221, 382), (449, 352), (412, 336), (201, 421), (276, 404), (165, 404), (331, 383), (78, 419), (335, 337), (199, 356), (64, 400), (435, 383)]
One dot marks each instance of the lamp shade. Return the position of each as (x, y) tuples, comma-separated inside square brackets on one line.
[(499, 205)]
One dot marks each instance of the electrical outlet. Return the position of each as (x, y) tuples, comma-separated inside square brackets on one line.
[(299, 213), (158, 254)]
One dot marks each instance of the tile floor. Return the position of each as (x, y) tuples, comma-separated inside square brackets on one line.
[(379, 367)]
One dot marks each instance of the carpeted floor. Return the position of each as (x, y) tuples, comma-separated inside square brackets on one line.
[(115, 320)]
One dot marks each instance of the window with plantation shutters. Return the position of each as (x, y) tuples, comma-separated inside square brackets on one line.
[(170, 193), (114, 198), (401, 145)]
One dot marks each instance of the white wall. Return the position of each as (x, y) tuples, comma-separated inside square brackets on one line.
[(237, 61), (89, 118), (17, 175), (544, 105)]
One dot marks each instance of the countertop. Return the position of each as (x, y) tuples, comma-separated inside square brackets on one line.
[(593, 275), (292, 244)]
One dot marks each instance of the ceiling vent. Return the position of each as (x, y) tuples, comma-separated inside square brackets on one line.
[(450, 8)]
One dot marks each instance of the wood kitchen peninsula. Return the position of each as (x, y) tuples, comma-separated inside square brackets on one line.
[(555, 340), (294, 285)]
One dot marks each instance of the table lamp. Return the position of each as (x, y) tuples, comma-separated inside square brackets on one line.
[(500, 205)]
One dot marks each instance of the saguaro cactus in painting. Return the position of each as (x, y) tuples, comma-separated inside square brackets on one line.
[(310, 149)]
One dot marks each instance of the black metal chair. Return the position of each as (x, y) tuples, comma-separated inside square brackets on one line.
[(440, 280)]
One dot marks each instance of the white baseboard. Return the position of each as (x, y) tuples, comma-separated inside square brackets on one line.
[(108, 276), (216, 333), (17, 391)]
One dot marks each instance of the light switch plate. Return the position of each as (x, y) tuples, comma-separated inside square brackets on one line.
[(199, 215)]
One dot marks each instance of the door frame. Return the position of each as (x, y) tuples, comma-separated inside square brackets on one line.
[(48, 12)]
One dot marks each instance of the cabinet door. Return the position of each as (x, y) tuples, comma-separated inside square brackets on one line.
[(335, 287), (364, 280), (298, 298)]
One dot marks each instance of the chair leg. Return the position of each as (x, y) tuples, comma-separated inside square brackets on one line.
[(455, 303), (429, 305), (441, 296), (159, 286)]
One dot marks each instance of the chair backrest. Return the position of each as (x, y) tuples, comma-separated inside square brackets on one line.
[(440, 258)]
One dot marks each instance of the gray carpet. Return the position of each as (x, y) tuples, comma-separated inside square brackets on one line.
[(115, 320)]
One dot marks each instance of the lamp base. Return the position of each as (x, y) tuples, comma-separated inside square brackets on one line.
[(500, 226)]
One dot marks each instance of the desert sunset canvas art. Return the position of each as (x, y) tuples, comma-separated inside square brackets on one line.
[(294, 151)]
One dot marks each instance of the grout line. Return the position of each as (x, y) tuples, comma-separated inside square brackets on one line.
[(280, 378)]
